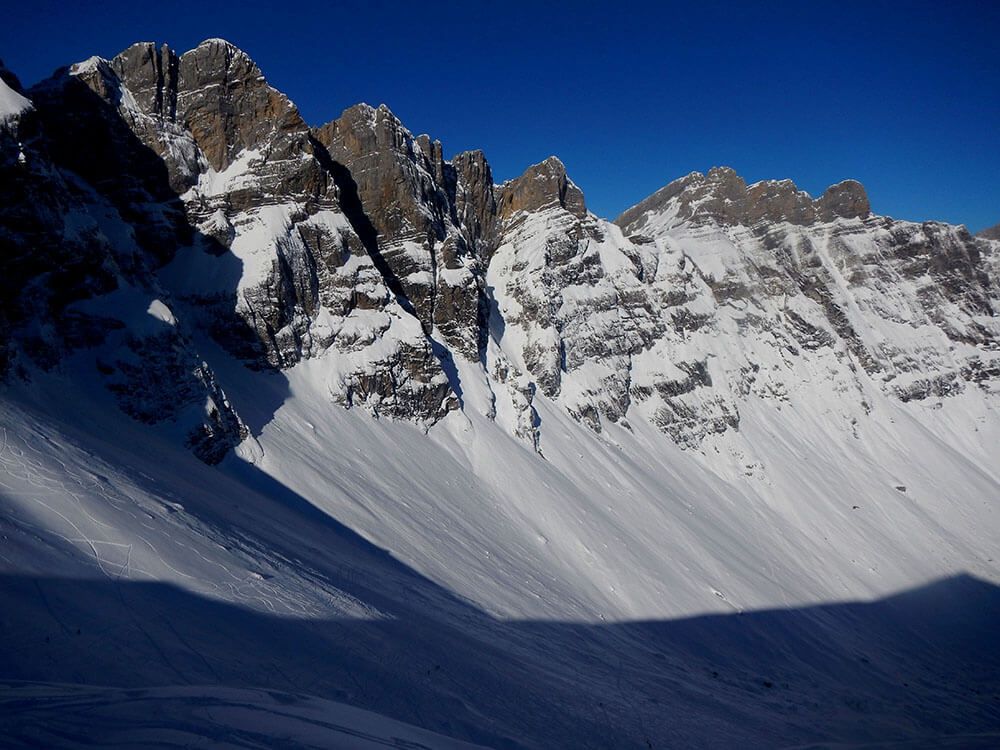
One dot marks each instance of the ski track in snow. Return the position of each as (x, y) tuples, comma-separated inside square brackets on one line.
[(65, 501)]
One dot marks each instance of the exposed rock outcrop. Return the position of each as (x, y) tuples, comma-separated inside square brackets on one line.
[(722, 196), (544, 185), (429, 221), (187, 180), (990, 233), (911, 306), (273, 266)]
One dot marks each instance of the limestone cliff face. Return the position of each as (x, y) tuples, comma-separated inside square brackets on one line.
[(223, 100), (713, 292), (185, 183), (272, 266), (430, 219), (544, 185), (722, 196), (570, 294), (910, 307)]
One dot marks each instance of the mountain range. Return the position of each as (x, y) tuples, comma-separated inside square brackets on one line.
[(311, 422)]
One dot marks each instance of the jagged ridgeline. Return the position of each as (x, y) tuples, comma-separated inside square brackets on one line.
[(154, 201)]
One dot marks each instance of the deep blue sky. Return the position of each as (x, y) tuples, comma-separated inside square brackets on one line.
[(904, 96)]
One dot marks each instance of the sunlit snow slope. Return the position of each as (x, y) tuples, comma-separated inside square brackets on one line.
[(525, 601)]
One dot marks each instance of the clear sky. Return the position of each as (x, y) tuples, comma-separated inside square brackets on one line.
[(903, 96)]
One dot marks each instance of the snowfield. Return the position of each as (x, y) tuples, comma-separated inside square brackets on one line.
[(616, 591), (183, 717)]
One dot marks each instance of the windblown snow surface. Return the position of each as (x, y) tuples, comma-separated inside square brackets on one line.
[(617, 592)]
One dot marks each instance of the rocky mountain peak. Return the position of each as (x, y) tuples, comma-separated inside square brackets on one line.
[(726, 180), (990, 233), (723, 197), (95, 72), (428, 222), (196, 111), (847, 199), (475, 200), (218, 42), (393, 176), (364, 129), (226, 103), (721, 185), (772, 201), (542, 185), (151, 75)]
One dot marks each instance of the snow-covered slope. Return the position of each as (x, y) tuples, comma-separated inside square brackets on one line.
[(721, 473), (12, 104), (520, 593), (79, 716)]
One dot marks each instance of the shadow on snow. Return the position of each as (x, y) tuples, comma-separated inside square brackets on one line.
[(919, 665)]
